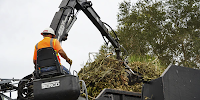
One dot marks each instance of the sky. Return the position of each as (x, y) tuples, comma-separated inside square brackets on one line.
[(22, 21)]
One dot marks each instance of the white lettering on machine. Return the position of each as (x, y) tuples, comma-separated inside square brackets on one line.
[(50, 84)]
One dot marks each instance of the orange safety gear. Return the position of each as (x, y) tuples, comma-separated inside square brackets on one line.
[(47, 42)]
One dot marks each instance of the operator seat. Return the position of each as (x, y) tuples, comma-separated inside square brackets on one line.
[(60, 85), (47, 64)]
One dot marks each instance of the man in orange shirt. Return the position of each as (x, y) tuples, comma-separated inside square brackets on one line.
[(49, 41)]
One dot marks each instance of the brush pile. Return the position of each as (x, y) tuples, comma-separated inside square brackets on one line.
[(107, 72)]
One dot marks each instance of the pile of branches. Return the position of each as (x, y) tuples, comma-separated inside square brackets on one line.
[(149, 70), (108, 72)]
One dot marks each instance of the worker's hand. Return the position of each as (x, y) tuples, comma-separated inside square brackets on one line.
[(69, 61)]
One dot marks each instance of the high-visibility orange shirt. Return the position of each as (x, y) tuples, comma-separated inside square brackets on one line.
[(46, 43)]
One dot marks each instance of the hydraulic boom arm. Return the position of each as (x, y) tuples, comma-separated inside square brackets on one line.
[(65, 17)]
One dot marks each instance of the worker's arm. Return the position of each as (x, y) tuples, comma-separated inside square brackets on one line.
[(64, 55)]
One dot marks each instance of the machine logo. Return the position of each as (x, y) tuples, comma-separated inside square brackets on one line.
[(50, 84), (62, 27)]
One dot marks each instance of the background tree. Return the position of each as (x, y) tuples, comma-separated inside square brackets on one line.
[(184, 18), (166, 29)]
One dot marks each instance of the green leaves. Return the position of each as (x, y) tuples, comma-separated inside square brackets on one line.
[(168, 30)]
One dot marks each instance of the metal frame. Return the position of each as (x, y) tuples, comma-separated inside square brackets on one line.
[(84, 89), (4, 96), (7, 85)]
